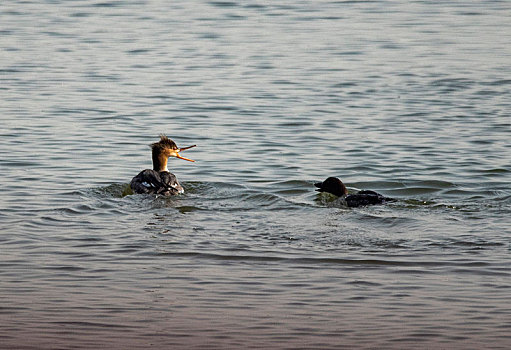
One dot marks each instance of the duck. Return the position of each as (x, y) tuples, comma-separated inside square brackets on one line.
[(159, 180), (336, 187)]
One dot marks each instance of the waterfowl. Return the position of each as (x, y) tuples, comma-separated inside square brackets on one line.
[(159, 180), (335, 186)]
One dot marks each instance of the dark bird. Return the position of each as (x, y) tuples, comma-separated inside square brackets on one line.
[(159, 180), (335, 186)]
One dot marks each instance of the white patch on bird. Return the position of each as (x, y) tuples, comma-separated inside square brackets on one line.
[(176, 187), (145, 184)]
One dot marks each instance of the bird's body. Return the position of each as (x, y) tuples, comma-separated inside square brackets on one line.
[(366, 197), (159, 180), (153, 182), (335, 186)]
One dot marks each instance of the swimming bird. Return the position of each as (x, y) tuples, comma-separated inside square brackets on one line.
[(159, 180), (335, 186)]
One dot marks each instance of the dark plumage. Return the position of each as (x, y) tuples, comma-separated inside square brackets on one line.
[(335, 186), (153, 182)]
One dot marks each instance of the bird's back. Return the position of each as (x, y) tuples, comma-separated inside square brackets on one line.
[(153, 182), (366, 197)]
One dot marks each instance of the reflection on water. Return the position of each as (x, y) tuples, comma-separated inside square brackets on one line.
[(407, 99)]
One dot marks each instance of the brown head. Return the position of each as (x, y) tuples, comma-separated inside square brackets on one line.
[(164, 149), (332, 185)]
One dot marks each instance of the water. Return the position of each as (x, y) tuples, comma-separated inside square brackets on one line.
[(410, 99)]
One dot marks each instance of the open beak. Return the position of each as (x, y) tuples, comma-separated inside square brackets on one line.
[(183, 149)]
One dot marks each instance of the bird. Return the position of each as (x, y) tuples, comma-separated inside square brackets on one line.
[(159, 180), (335, 186)]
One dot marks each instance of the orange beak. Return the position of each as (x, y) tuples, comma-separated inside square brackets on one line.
[(183, 149)]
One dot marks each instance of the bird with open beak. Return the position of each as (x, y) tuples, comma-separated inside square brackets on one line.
[(159, 180)]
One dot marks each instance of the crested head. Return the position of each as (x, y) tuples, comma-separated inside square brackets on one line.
[(164, 149), (164, 143)]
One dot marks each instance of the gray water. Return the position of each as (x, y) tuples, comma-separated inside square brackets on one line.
[(408, 98)]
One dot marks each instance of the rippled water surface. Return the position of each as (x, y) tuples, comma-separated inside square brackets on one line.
[(408, 98)]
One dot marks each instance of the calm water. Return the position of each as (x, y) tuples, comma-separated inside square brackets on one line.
[(409, 98)]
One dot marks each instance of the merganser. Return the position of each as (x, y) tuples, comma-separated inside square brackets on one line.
[(159, 180), (335, 186)]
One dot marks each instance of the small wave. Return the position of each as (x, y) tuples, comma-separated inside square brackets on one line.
[(205, 188), (495, 171), (413, 191), (314, 261), (453, 84), (107, 4), (223, 4), (361, 283), (500, 82), (116, 190), (469, 242), (260, 198), (187, 209), (78, 210)]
